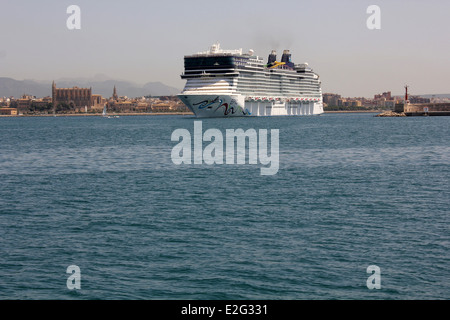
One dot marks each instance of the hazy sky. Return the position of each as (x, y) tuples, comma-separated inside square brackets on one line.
[(144, 40)]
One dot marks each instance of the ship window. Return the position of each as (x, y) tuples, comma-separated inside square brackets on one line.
[(205, 62)]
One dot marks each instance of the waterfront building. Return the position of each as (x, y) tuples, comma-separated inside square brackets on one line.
[(161, 107), (23, 105), (384, 95), (331, 99), (8, 111)]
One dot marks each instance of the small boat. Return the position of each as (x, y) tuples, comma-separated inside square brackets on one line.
[(105, 114)]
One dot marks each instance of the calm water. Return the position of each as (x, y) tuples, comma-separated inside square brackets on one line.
[(103, 194)]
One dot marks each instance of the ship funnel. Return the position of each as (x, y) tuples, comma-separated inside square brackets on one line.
[(272, 57), (286, 58)]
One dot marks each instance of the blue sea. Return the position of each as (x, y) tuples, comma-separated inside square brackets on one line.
[(352, 191)]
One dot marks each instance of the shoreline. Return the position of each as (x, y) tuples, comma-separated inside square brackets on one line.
[(152, 114), (355, 111), (100, 115)]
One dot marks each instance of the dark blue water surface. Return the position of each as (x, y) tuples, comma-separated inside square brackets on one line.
[(353, 190)]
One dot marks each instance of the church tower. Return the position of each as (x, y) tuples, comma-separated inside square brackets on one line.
[(115, 96)]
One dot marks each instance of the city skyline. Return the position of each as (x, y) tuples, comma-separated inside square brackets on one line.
[(141, 42), (102, 85)]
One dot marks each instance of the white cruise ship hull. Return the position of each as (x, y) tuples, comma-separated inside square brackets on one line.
[(218, 106)]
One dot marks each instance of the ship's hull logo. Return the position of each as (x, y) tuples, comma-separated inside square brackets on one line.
[(218, 104)]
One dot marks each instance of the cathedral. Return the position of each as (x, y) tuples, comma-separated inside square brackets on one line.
[(77, 98)]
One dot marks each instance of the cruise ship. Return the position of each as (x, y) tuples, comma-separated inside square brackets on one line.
[(230, 83)]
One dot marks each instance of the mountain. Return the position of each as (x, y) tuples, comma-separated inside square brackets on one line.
[(429, 96), (10, 87), (100, 84), (441, 96)]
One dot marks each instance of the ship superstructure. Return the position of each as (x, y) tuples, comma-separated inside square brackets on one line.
[(222, 83)]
